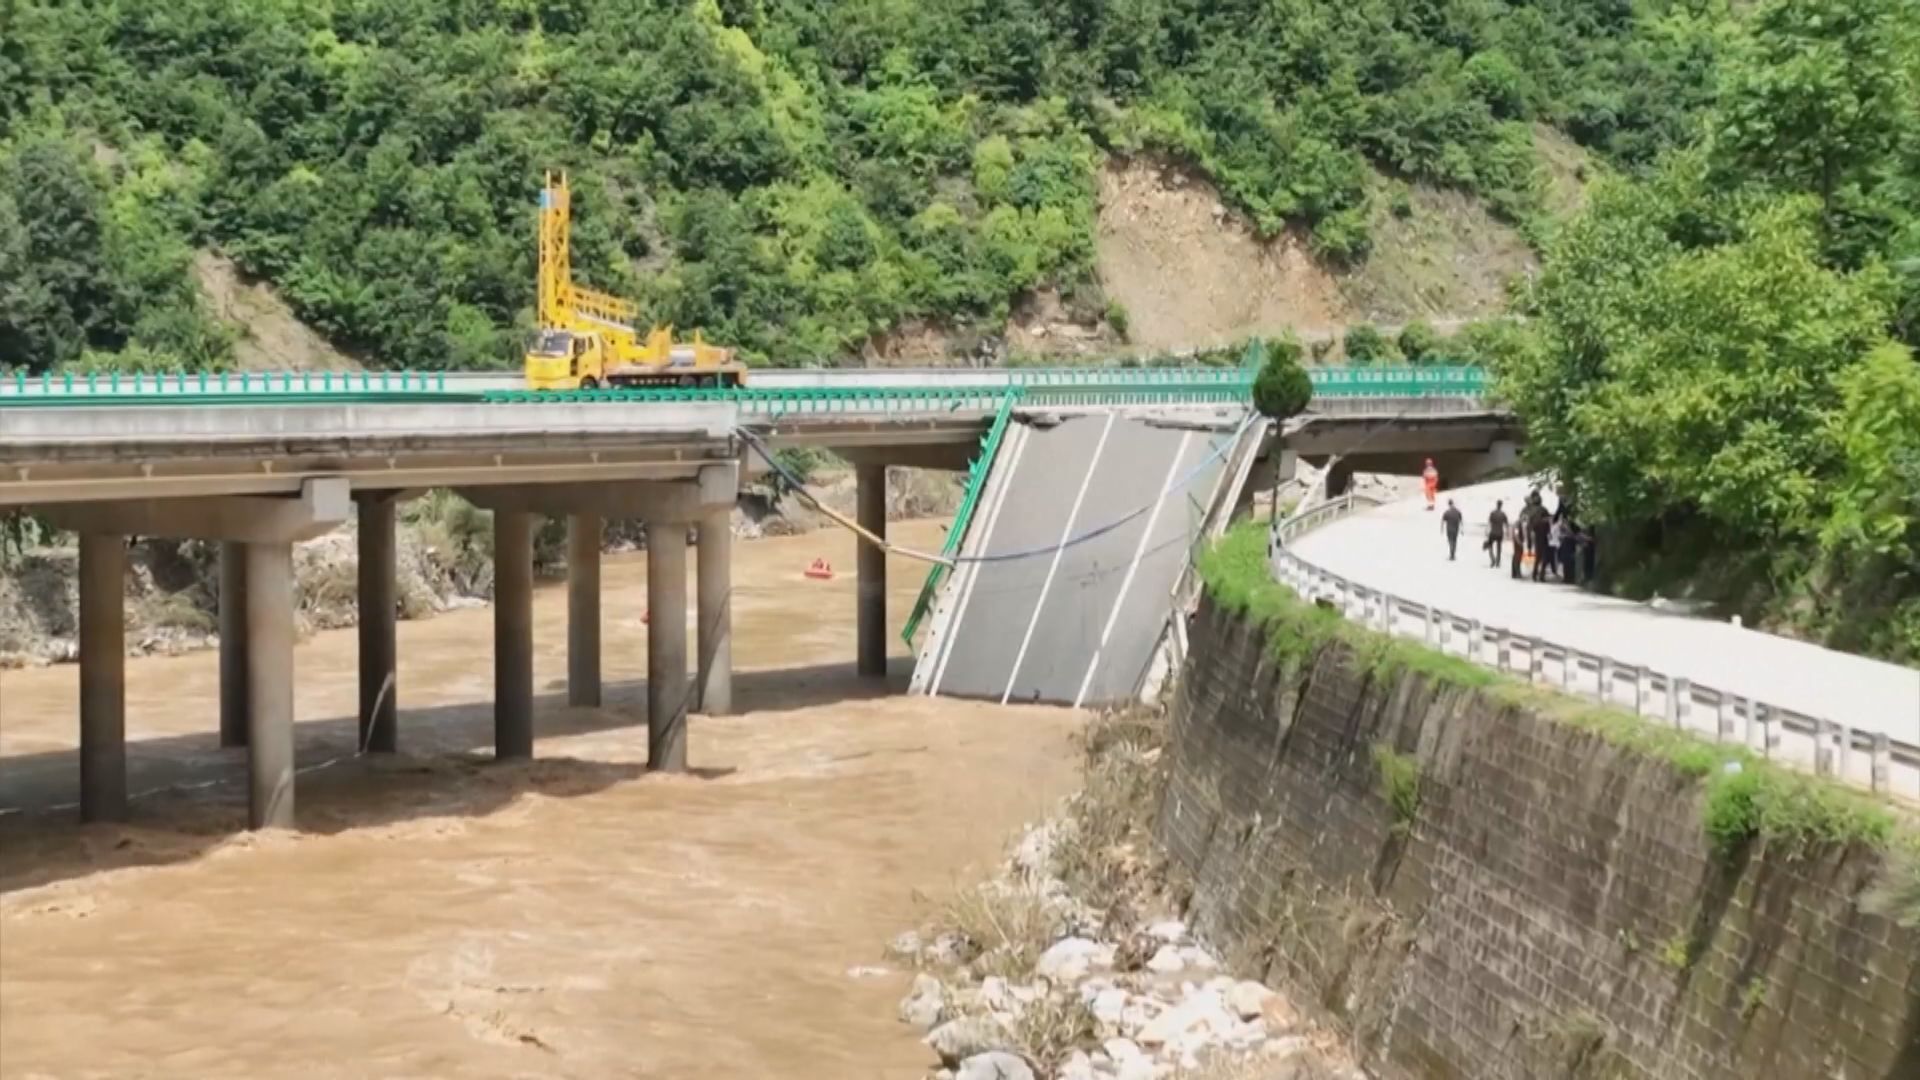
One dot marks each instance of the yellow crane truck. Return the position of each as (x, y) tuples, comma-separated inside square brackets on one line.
[(587, 339)]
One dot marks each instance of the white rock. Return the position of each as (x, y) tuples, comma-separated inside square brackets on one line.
[(1024, 994), (957, 1040), (1139, 1012), (1069, 959), (867, 971), (1197, 957), (1139, 1068), (1122, 1050), (993, 994), (1248, 999), (1166, 960), (1109, 1006), (997, 1065), (907, 946), (1170, 931), (1288, 1046), (1033, 858), (924, 1003), (1202, 1012), (1077, 1067), (1092, 988), (946, 949)]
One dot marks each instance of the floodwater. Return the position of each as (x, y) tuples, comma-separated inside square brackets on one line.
[(441, 915)]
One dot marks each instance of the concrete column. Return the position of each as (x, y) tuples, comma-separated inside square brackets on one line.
[(269, 685), (667, 646), (871, 501), (512, 634), (379, 644), (233, 644), (103, 686), (714, 609), (584, 532)]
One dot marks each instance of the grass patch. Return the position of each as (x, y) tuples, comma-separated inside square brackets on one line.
[(1104, 853), (1052, 1028), (1896, 895), (1399, 784), (1747, 797), (1007, 927), (1677, 952)]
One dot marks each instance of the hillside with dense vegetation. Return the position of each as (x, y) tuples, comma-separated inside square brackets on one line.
[(795, 176)]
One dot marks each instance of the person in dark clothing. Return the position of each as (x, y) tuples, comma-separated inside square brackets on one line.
[(1587, 544), (1450, 524), (1569, 558), (1542, 545), (1519, 540), (1496, 533)]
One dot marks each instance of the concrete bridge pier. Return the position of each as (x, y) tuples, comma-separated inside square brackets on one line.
[(668, 507), (103, 666), (270, 685), (257, 534), (714, 610), (379, 641), (667, 690), (584, 534), (871, 564), (512, 634), (233, 644)]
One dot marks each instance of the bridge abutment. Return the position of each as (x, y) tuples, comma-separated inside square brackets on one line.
[(714, 608), (512, 634), (871, 567), (667, 646), (103, 687), (584, 532)]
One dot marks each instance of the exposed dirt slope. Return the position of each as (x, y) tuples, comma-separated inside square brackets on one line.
[(1440, 256), (1190, 272), (271, 336)]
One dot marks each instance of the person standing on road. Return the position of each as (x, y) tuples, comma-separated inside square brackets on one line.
[(1559, 542), (1496, 533), (1430, 480), (1450, 524), (1519, 541), (1542, 542)]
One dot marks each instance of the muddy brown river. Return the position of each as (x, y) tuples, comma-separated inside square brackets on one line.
[(440, 915)]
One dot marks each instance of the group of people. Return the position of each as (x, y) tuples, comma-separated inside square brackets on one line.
[(1558, 545)]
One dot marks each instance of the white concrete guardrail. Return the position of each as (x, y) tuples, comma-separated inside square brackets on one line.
[(1827, 748)]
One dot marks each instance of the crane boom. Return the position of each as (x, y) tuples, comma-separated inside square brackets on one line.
[(589, 338)]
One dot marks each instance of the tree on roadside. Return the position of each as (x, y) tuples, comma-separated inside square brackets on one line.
[(1282, 389)]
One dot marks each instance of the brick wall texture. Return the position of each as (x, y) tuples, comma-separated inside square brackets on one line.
[(1553, 909)]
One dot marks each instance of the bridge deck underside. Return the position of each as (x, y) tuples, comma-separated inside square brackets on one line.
[(1046, 628)]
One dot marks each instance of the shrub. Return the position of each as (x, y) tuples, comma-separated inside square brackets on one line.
[(1367, 345)]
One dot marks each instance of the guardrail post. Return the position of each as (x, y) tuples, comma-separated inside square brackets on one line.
[(1569, 667), (1882, 762), (1825, 733), (1475, 631), (1426, 625), (1504, 659), (1725, 708), (1536, 661), (1642, 681), (1603, 683), (1679, 700), (1443, 634), (1388, 605), (1763, 719)]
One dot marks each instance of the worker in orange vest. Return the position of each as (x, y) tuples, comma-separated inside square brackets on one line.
[(1430, 480)]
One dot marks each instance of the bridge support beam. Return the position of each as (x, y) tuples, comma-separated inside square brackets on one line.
[(379, 640), (269, 685), (103, 666), (714, 609), (512, 634), (1339, 478), (871, 564), (584, 533), (667, 646), (233, 644)]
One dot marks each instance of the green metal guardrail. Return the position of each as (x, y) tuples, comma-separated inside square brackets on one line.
[(1398, 381), (977, 471), (118, 386)]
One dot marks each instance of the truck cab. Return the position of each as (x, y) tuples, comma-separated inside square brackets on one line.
[(564, 360)]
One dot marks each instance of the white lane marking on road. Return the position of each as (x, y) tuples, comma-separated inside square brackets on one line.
[(1133, 567), (1015, 450), (1073, 515)]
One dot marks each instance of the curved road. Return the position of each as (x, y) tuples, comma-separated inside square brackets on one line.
[(1399, 548)]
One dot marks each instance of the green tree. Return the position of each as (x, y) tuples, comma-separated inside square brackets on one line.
[(1421, 343), (1282, 389), (1365, 344)]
